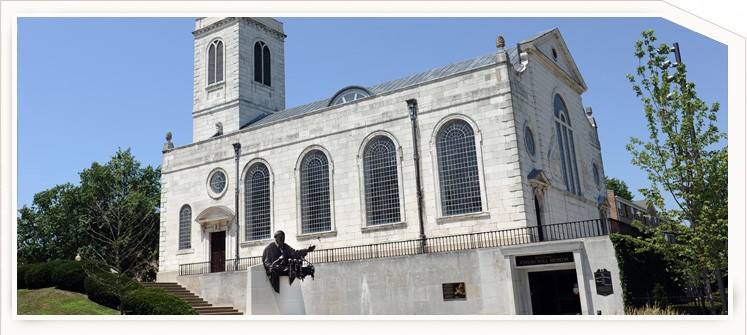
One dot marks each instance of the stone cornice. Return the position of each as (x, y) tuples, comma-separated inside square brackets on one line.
[(246, 20), (213, 26), (253, 22)]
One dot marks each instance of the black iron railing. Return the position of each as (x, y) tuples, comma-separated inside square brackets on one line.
[(491, 239)]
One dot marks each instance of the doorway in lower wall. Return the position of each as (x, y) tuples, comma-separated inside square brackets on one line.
[(218, 251), (554, 292)]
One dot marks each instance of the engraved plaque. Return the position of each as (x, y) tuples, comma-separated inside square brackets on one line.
[(454, 291)]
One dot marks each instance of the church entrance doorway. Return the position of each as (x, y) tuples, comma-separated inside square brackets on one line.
[(554, 292), (538, 211), (218, 251)]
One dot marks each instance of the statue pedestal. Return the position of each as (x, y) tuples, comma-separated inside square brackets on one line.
[(261, 298)]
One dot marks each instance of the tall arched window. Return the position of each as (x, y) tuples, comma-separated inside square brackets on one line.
[(215, 62), (257, 202), (566, 146), (262, 68), (380, 179), (457, 169), (315, 194), (185, 227)]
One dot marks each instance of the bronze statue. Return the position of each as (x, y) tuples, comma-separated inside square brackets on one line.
[(280, 259)]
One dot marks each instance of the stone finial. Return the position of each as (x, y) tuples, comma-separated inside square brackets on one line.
[(500, 42), (168, 145), (588, 111)]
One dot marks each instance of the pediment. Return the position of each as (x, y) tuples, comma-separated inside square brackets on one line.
[(550, 48), (215, 215), (538, 177)]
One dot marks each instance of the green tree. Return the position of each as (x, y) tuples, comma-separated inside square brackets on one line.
[(50, 228), (111, 219), (619, 186), (681, 159)]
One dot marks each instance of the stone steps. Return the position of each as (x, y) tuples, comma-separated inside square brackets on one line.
[(200, 305)]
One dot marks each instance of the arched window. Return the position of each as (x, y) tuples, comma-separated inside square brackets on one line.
[(315, 195), (257, 202), (262, 63), (185, 227), (566, 146), (215, 62), (457, 169), (380, 179)]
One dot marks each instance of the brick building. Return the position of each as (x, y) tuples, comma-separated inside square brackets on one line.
[(512, 203)]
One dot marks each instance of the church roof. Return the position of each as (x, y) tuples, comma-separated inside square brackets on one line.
[(393, 85), (411, 80)]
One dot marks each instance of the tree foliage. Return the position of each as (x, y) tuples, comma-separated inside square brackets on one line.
[(681, 159), (619, 187), (50, 228), (111, 219), (121, 214)]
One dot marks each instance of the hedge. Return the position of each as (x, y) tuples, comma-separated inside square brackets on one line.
[(641, 271), (40, 275), (155, 301), (71, 276), (99, 288), (21, 275)]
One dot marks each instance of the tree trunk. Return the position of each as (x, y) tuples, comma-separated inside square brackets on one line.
[(722, 291), (708, 293)]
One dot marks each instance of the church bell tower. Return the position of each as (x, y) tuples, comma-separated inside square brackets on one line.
[(239, 73)]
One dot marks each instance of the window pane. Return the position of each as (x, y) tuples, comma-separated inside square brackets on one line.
[(185, 233), (380, 178), (218, 182), (211, 64), (266, 65), (457, 167), (315, 198), (257, 62), (219, 62), (257, 203)]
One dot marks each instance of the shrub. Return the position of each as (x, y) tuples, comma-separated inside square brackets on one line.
[(71, 276), (155, 301), (660, 296), (21, 275), (40, 275), (102, 288)]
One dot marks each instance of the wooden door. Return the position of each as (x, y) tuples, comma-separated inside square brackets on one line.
[(218, 251)]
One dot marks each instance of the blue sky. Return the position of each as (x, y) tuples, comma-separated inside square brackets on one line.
[(88, 86)]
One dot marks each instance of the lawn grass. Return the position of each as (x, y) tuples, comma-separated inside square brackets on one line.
[(51, 301)]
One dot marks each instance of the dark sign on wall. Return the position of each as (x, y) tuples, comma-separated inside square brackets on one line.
[(562, 257), (454, 291), (603, 278)]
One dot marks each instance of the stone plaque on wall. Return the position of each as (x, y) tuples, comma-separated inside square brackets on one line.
[(603, 279), (561, 257), (454, 291)]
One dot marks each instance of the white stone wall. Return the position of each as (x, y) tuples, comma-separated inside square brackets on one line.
[(496, 109), (476, 97), (533, 93), (412, 285)]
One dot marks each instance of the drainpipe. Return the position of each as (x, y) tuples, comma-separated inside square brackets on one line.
[(237, 151), (412, 106)]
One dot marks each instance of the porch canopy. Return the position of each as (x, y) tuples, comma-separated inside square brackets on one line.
[(215, 215)]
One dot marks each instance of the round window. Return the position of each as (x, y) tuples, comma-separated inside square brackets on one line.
[(217, 183), (529, 140)]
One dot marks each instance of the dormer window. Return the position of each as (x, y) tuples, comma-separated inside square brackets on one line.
[(262, 69), (215, 62), (349, 94)]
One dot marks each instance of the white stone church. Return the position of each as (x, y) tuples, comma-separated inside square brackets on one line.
[(474, 188)]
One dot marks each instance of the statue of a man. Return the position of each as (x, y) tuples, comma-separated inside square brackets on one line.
[(278, 259)]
